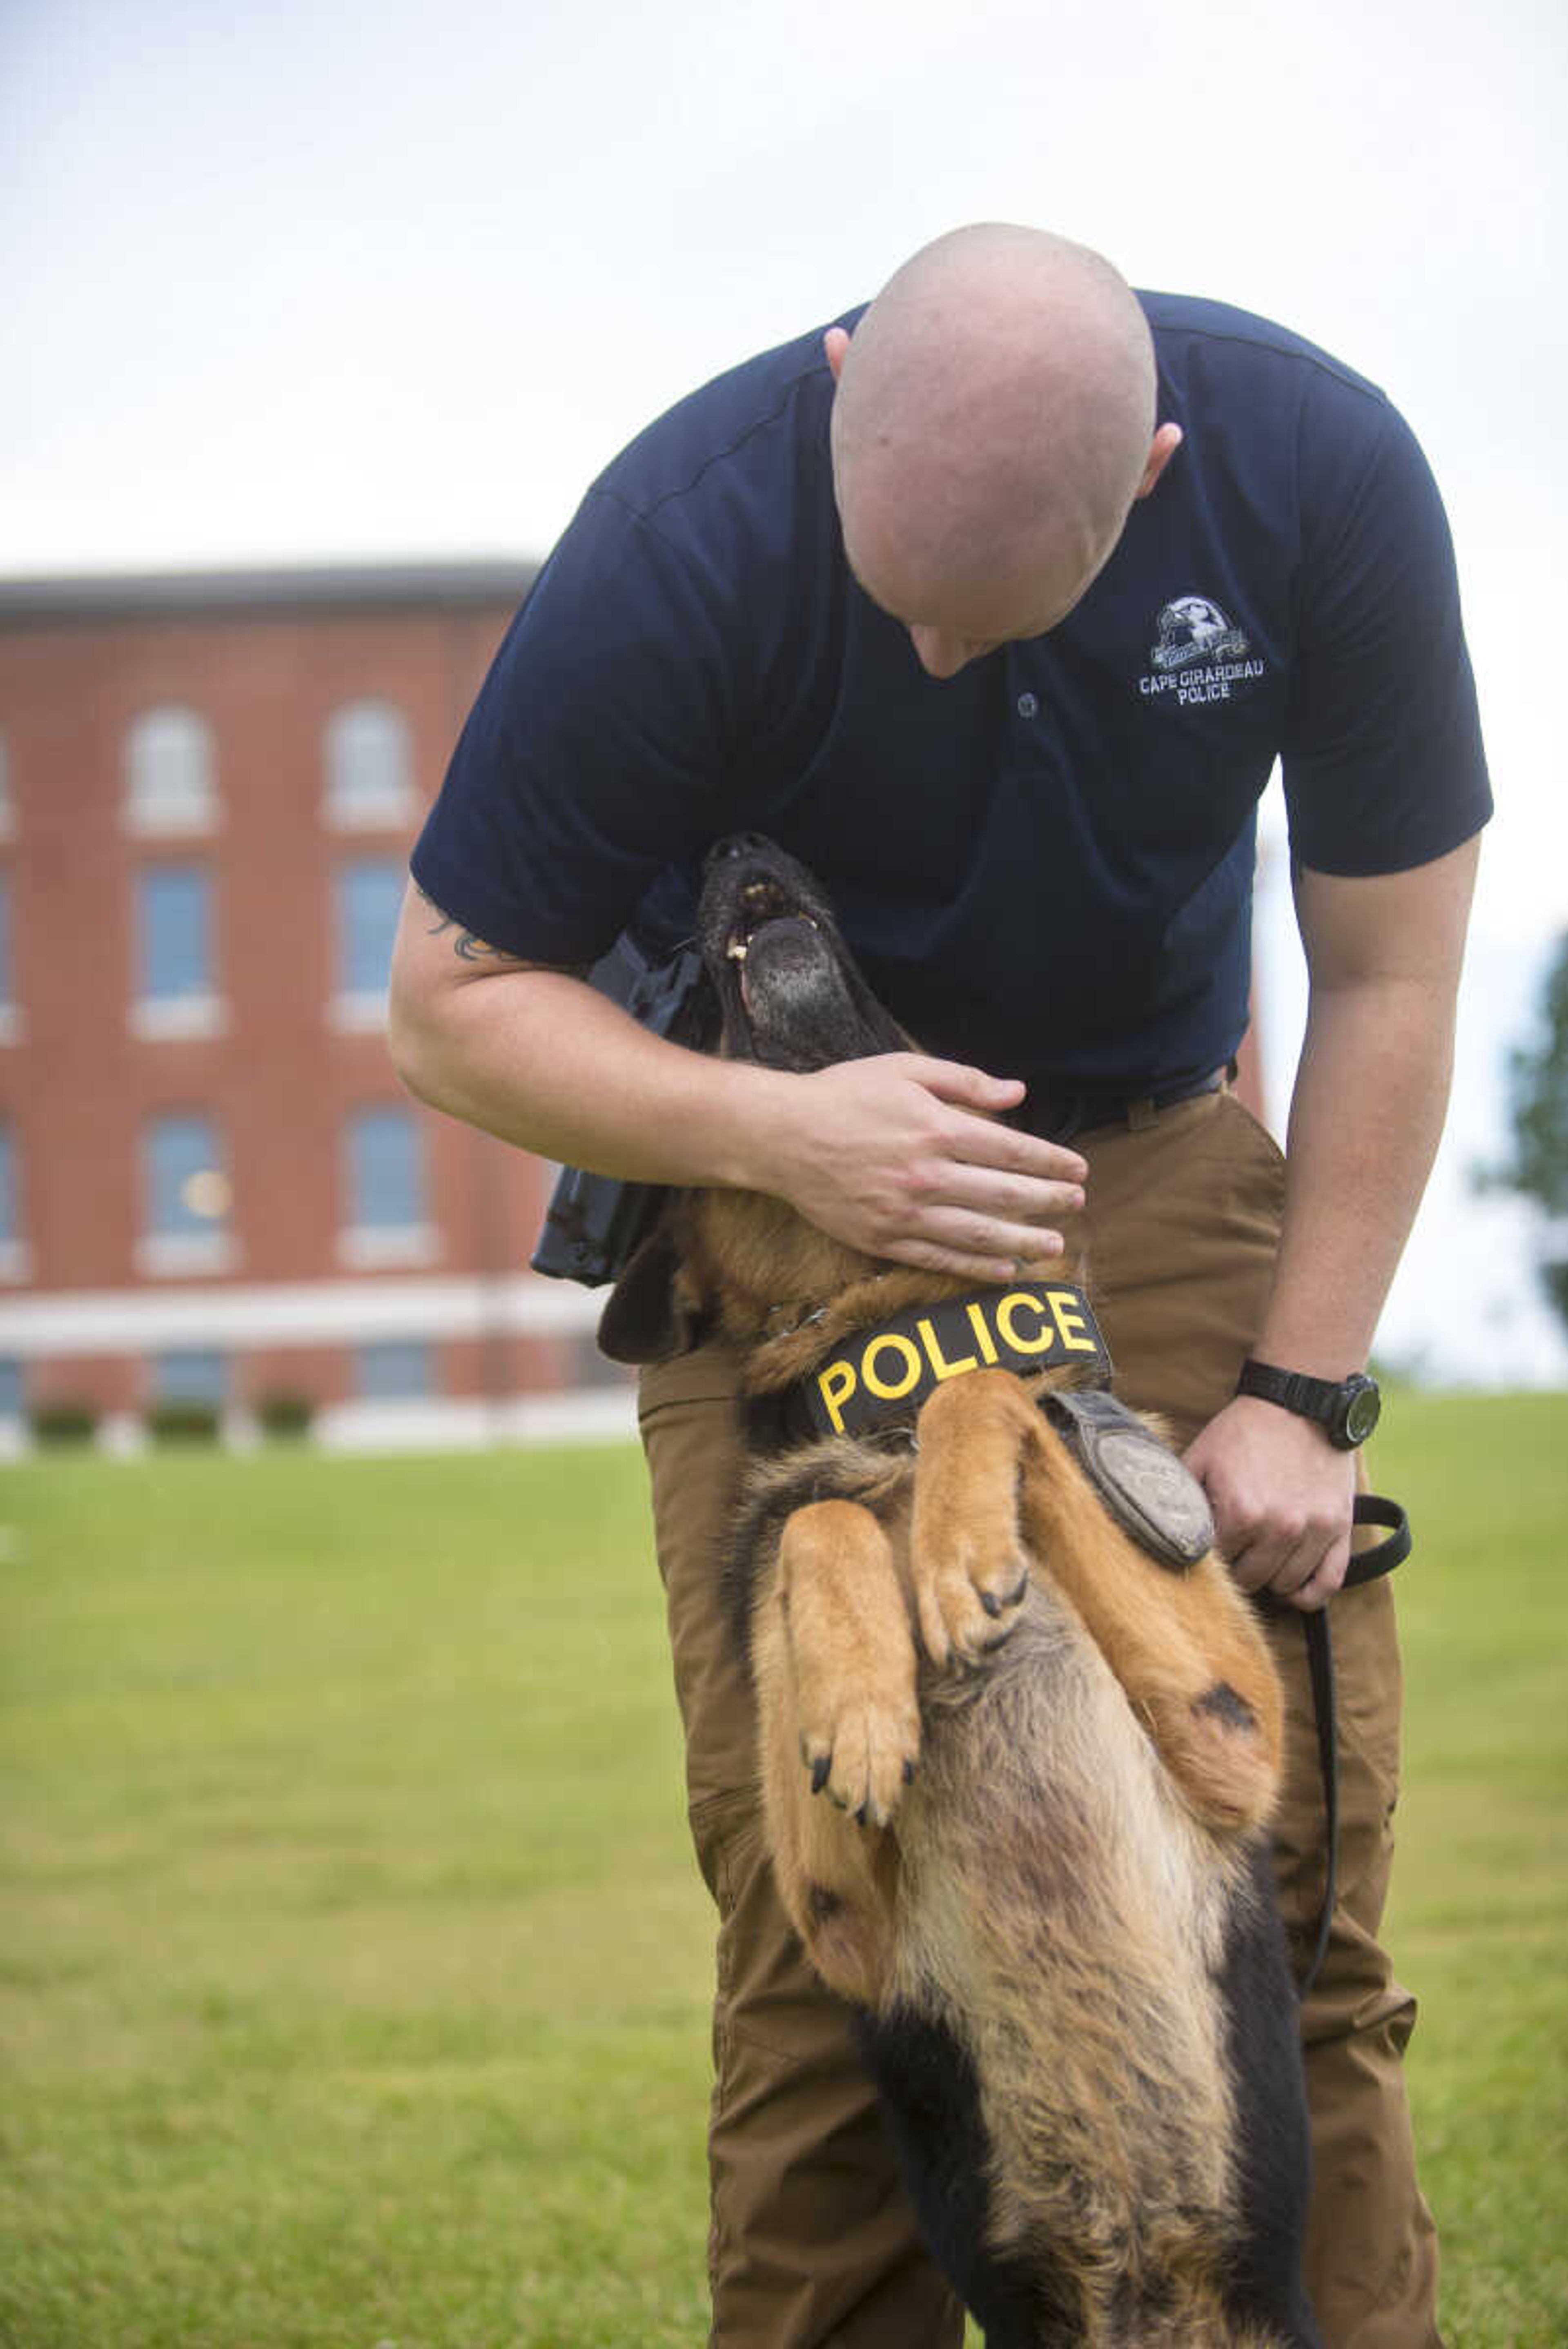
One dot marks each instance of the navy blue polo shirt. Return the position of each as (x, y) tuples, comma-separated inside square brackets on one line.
[(1045, 864)]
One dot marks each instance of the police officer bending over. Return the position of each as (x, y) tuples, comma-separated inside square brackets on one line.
[(995, 603)]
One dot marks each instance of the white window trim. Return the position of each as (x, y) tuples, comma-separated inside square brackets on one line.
[(373, 1248), (159, 1019), (184, 1255), (388, 807), (172, 815), (358, 1011)]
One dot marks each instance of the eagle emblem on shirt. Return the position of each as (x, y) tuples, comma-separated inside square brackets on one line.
[(1194, 628)]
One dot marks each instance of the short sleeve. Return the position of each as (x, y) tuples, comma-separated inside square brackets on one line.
[(594, 750), (1383, 762)]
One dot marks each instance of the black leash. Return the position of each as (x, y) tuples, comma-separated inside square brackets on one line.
[(1365, 1566)]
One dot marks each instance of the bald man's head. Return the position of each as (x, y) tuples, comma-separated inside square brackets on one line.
[(994, 422)]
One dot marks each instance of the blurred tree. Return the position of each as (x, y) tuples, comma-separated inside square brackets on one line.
[(1538, 1113)]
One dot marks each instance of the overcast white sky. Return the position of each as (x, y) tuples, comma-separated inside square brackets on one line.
[(328, 279)]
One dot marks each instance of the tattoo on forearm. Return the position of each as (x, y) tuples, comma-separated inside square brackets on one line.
[(469, 946)]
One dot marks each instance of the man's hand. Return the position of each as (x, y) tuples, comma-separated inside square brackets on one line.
[(1383, 956), (1281, 1496), (901, 1156)]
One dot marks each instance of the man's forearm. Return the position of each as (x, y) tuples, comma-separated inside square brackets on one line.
[(513, 1053), (897, 1156), (1365, 1119)]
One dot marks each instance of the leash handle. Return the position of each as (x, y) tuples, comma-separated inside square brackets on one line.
[(1367, 1565)]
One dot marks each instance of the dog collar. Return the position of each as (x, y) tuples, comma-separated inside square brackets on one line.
[(880, 1376), (874, 1384)]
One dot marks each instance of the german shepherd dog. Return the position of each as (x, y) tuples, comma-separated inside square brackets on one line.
[(1016, 1770)]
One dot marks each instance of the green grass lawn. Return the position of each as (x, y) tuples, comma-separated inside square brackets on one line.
[(353, 1969)]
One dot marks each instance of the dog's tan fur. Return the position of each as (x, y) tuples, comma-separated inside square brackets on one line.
[(1047, 1761)]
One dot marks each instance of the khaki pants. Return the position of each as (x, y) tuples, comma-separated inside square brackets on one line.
[(813, 2245)]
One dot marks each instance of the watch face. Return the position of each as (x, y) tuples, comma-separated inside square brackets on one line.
[(1361, 1412)]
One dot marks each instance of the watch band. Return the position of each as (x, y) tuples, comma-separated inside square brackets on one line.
[(1347, 1409), (1309, 1397)]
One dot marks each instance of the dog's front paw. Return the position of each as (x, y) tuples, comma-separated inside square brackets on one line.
[(969, 1567), (861, 1744), (967, 1592), (851, 1676)]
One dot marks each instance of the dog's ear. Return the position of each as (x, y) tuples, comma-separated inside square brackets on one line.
[(646, 1319)]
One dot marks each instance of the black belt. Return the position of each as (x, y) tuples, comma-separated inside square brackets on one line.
[(1058, 1116)]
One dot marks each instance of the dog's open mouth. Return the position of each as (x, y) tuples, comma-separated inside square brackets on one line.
[(768, 920), (791, 995)]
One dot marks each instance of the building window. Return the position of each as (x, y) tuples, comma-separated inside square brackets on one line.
[(171, 785), (369, 899), (385, 1223), (187, 1197), (13, 1258), (369, 769), (13, 1388), (393, 1370), (191, 1374), (175, 996), (386, 1173), (11, 1023)]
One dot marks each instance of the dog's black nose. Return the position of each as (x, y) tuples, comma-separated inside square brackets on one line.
[(736, 843)]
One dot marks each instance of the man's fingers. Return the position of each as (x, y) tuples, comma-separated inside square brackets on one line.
[(977, 1139), (915, 1173), (1002, 1199), (1282, 1500), (1006, 1220), (1303, 1566), (928, 1257), (951, 1240), (955, 1080), (1320, 1586)]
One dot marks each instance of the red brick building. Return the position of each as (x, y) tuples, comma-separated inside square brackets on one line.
[(212, 1186)]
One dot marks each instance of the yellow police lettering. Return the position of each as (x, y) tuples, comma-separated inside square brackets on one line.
[(983, 1335), (836, 1384), (937, 1359), (1070, 1326), (908, 1352), (1040, 1344)]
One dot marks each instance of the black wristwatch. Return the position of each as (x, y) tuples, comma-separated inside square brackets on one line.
[(1346, 1408)]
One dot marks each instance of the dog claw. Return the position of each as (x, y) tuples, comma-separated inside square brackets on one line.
[(819, 1770), (991, 1603)]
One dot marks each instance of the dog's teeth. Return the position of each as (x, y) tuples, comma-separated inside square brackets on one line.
[(736, 950)]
